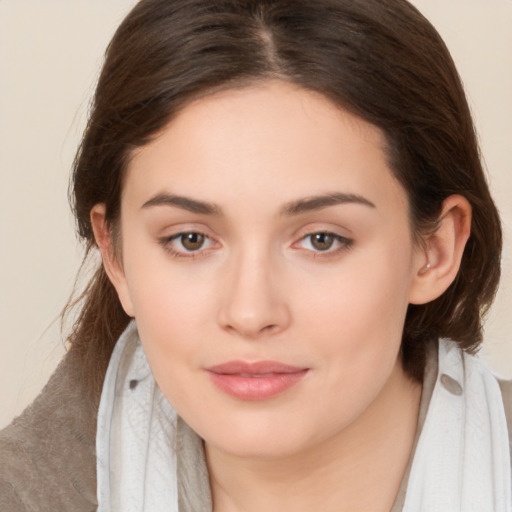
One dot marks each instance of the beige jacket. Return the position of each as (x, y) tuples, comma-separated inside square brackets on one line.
[(47, 455)]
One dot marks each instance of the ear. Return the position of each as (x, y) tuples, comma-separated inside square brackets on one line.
[(438, 260), (111, 261)]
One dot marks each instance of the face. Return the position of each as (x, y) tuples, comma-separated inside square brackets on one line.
[(268, 260)]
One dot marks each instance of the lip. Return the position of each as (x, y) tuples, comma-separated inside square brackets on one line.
[(258, 380)]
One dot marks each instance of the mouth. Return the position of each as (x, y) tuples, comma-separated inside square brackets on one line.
[(255, 381)]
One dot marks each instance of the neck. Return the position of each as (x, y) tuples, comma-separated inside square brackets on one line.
[(361, 468)]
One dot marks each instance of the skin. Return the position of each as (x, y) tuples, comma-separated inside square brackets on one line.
[(259, 289)]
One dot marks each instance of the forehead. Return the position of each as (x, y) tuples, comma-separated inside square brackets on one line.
[(272, 139)]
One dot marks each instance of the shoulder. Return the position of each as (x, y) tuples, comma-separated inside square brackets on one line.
[(9, 499), (47, 454)]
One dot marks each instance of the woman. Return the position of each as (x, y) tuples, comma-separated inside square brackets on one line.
[(289, 204)]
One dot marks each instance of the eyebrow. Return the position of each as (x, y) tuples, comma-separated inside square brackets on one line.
[(297, 207), (186, 203), (313, 203)]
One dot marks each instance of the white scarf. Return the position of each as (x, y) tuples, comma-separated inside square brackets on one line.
[(136, 456), (461, 463), (462, 460)]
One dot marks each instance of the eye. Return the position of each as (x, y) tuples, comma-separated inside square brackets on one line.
[(324, 241), (187, 243), (191, 241)]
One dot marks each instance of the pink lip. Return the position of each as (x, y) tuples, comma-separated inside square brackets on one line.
[(255, 381)]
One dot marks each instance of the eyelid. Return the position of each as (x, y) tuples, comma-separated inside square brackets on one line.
[(167, 243), (343, 243)]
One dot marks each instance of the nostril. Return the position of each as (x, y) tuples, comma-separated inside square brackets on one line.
[(252, 332), (253, 308)]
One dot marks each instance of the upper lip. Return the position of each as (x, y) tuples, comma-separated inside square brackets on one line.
[(254, 368)]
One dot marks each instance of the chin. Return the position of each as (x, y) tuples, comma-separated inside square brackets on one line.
[(263, 436)]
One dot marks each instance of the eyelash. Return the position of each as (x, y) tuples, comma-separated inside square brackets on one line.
[(166, 243), (344, 244)]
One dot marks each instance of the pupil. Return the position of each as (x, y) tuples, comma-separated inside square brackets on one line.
[(322, 241), (192, 241)]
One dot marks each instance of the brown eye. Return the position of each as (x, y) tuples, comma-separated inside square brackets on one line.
[(188, 244), (192, 241), (322, 241)]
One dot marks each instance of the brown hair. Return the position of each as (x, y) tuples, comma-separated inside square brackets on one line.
[(379, 59)]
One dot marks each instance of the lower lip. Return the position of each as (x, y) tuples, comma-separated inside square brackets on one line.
[(256, 388)]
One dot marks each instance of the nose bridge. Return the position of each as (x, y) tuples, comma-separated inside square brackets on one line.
[(253, 303)]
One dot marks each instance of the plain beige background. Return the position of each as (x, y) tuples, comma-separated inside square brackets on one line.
[(50, 54)]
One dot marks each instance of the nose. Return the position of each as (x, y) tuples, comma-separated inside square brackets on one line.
[(253, 303)]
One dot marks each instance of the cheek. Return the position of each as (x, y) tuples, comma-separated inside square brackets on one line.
[(368, 295), (357, 321), (171, 308), (170, 317), (172, 334), (162, 290)]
